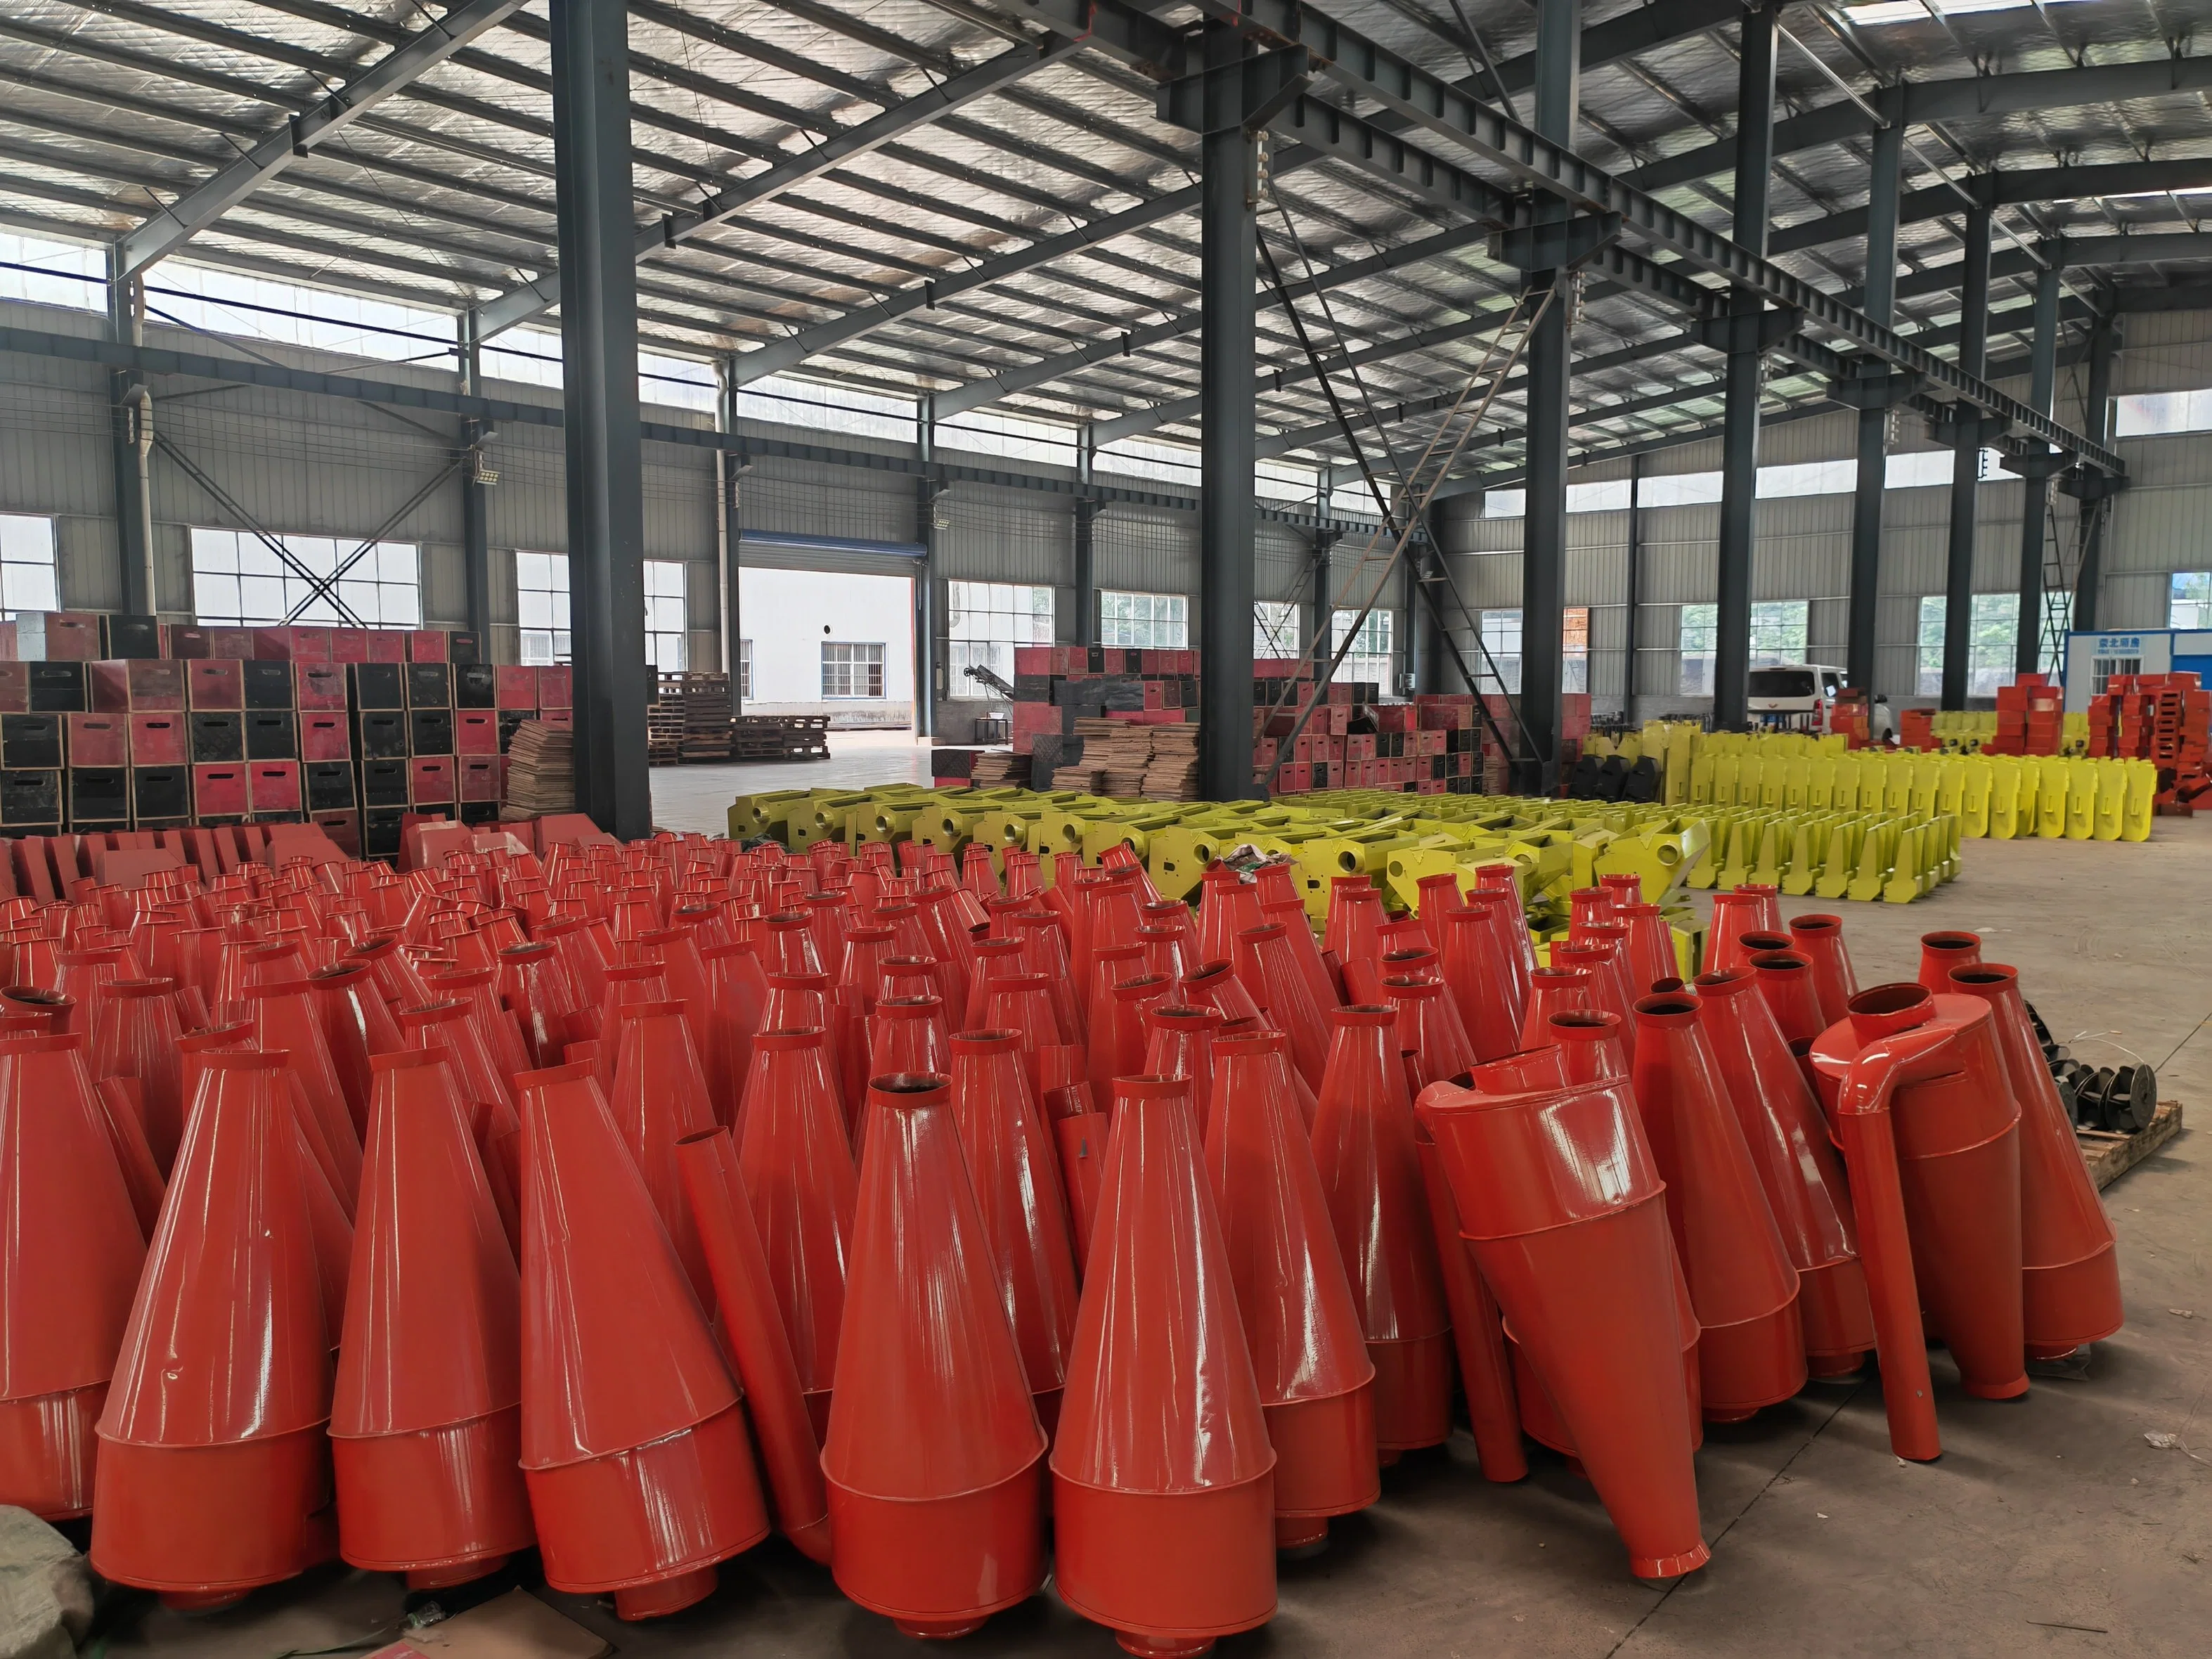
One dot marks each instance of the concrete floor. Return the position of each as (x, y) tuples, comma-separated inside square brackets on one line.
[(2051, 1525), (698, 797)]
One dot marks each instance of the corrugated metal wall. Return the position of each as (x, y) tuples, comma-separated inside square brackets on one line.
[(318, 466)]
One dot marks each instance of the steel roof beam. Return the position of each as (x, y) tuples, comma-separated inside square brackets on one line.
[(181, 220), (2013, 189)]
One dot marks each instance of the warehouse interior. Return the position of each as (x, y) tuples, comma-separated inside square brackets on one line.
[(1566, 361)]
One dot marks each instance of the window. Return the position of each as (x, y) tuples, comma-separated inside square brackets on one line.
[(1777, 631), (1501, 640), (52, 273), (744, 669), (1700, 626), (1574, 648), (26, 564), (2191, 606), (1157, 621), (685, 381), (2149, 414), (828, 408), (239, 578), (541, 605), (296, 314), (985, 621), (852, 671), (1368, 661), (665, 616), (1274, 628), (1991, 643)]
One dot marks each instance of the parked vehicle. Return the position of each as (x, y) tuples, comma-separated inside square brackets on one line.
[(1799, 695)]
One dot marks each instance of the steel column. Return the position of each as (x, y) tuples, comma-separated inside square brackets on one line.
[(2035, 495), (475, 548), (1086, 559), (1321, 601), (1873, 420), (598, 359), (130, 429), (1754, 164), (1965, 465), (1228, 232), (2096, 420), (927, 489), (1635, 583), (1544, 522), (730, 467)]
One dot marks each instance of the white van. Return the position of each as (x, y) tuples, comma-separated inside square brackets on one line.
[(1798, 694)]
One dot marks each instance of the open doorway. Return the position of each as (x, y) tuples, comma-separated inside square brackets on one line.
[(825, 642)]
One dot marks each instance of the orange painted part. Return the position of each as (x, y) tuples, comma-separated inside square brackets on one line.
[(1364, 1148), (69, 1264), (425, 1417), (800, 1179), (2070, 1274), (212, 1460), (1013, 1166), (1561, 1198), (934, 1459), (1301, 1326), (1163, 1474), (753, 1332), (1798, 1166), (633, 1444)]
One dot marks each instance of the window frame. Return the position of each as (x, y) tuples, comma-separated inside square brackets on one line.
[(1268, 639), (559, 642), (2200, 601), (848, 664), (1992, 644), (656, 652), (251, 560), (1165, 625), (18, 531), (988, 632)]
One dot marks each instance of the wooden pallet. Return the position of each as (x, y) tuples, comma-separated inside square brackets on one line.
[(2110, 1155)]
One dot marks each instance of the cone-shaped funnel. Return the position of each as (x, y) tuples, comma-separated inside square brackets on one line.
[(1013, 1166), (134, 1034), (1785, 979), (284, 1018), (800, 1177), (1270, 974), (1551, 990), (1162, 1482), (357, 1025), (934, 1456), (1650, 948), (1117, 1049), (1567, 1214), (125, 1121), (660, 1096), (1179, 1043), (1742, 1284), (633, 1444), (425, 1420), (1479, 978), (1819, 940), (791, 1453), (1370, 1170), (1798, 1167), (1309, 1352), (2070, 1275), (1955, 1138), (1589, 1044), (215, 1470), (70, 1260), (1735, 915), (536, 984), (1429, 1027), (1941, 952)]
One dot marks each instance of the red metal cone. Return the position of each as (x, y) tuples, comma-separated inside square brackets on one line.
[(2070, 1271), (60, 1013), (798, 1164), (933, 1457), (1013, 1166), (633, 1443), (1309, 1353), (752, 1330), (1179, 1043), (1650, 950), (1162, 1475), (134, 1034), (1583, 1272), (1941, 952), (388, 964), (284, 1018), (1023, 1003), (1752, 1351), (214, 1473), (660, 1097), (1785, 980), (1429, 1027), (676, 950), (1290, 914), (1608, 987), (1081, 1138), (1270, 974), (1479, 978), (908, 1034), (740, 991), (1589, 1044), (535, 983), (1550, 990), (1956, 1142), (1227, 905), (1117, 1049), (502, 1036), (426, 1417), (628, 982), (1370, 1170), (496, 1125), (1819, 940), (125, 1123), (1798, 1168), (357, 1026), (1734, 914), (69, 1262)]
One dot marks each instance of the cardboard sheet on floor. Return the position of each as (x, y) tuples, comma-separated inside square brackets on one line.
[(517, 1625)]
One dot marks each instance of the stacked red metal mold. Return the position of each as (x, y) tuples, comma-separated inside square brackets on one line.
[(622, 1201)]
